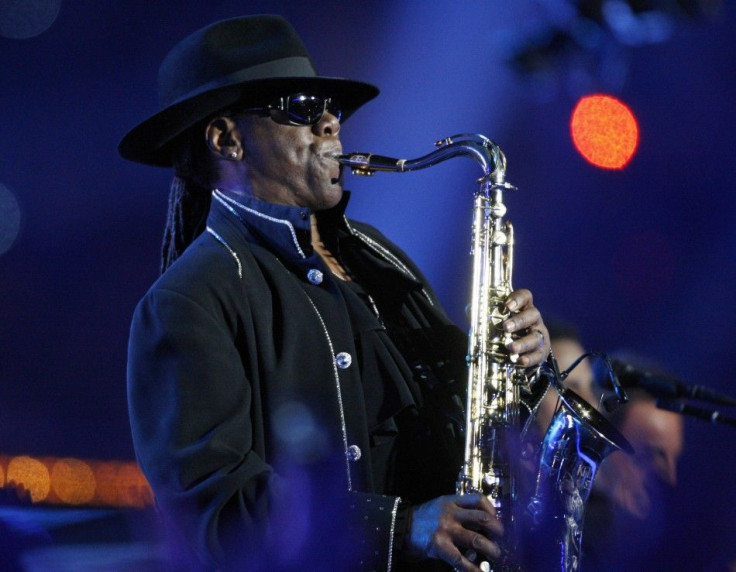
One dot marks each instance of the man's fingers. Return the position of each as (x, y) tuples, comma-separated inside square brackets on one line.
[(478, 543), (479, 511), (481, 521), (466, 556), (453, 527), (530, 318), (527, 343), (534, 345), (475, 500), (519, 299)]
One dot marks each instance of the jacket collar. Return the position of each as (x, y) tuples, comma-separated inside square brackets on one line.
[(284, 230)]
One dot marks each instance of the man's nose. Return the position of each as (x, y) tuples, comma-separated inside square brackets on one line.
[(327, 125)]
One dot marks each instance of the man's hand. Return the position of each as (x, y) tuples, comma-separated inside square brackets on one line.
[(448, 527), (532, 344)]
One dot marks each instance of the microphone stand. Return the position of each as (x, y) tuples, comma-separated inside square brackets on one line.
[(713, 416)]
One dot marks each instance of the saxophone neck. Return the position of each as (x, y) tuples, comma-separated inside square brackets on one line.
[(478, 147)]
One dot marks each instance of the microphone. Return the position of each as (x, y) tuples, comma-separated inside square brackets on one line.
[(697, 412), (666, 386)]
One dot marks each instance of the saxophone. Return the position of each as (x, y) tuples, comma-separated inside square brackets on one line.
[(495, 384)]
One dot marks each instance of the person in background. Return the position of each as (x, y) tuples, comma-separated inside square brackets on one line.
[(630, 507)]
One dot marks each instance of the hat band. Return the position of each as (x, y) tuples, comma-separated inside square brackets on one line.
[(282, 68)]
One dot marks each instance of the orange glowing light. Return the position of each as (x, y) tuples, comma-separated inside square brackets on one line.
[(108, 491), (122, 484), (73, 481), (604, 131), (32, 475), (132, 487)]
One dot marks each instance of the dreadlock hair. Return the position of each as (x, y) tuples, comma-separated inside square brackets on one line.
[(190, 195)]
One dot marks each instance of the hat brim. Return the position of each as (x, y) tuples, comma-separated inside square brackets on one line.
[(150, 142)]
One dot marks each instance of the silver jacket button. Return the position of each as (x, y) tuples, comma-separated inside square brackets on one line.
[(343, 360), (354, 453), (315, 276)]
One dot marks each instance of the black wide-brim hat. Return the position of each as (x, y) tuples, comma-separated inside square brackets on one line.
[(237, 61)]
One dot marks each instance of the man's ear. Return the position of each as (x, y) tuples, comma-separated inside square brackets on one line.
[(224, 139)]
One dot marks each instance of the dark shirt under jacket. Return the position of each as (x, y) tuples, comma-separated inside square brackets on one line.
[(280, 414)]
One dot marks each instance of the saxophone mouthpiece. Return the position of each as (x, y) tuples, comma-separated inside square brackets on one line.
[(367, 163)]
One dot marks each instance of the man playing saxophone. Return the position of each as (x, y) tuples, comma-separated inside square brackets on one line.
[(296, 390)]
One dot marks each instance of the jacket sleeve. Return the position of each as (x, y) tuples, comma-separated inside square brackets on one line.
[(190, 405), (192, 414)]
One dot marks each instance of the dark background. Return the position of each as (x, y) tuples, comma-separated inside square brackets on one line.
[(640, 259)]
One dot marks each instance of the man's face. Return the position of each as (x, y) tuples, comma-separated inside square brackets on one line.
[(657, 438), (641, 483), (293, 164)]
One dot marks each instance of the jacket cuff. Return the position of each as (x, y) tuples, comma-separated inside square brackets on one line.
[(380, 522)]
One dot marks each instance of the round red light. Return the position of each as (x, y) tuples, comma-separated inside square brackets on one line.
[(604, 131)]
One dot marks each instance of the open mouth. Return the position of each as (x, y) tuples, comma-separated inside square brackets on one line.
[(329, 154), (332, 155)]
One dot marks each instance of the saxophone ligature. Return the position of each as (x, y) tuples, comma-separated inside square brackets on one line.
[(491, 462)]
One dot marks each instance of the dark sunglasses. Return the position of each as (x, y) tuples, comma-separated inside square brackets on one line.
[(300, 109)]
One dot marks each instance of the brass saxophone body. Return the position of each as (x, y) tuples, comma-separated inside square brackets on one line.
[(492, 453)]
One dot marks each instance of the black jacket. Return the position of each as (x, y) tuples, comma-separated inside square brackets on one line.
[(247, 406)]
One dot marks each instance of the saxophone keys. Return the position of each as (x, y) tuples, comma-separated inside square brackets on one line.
[(499, 238)]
